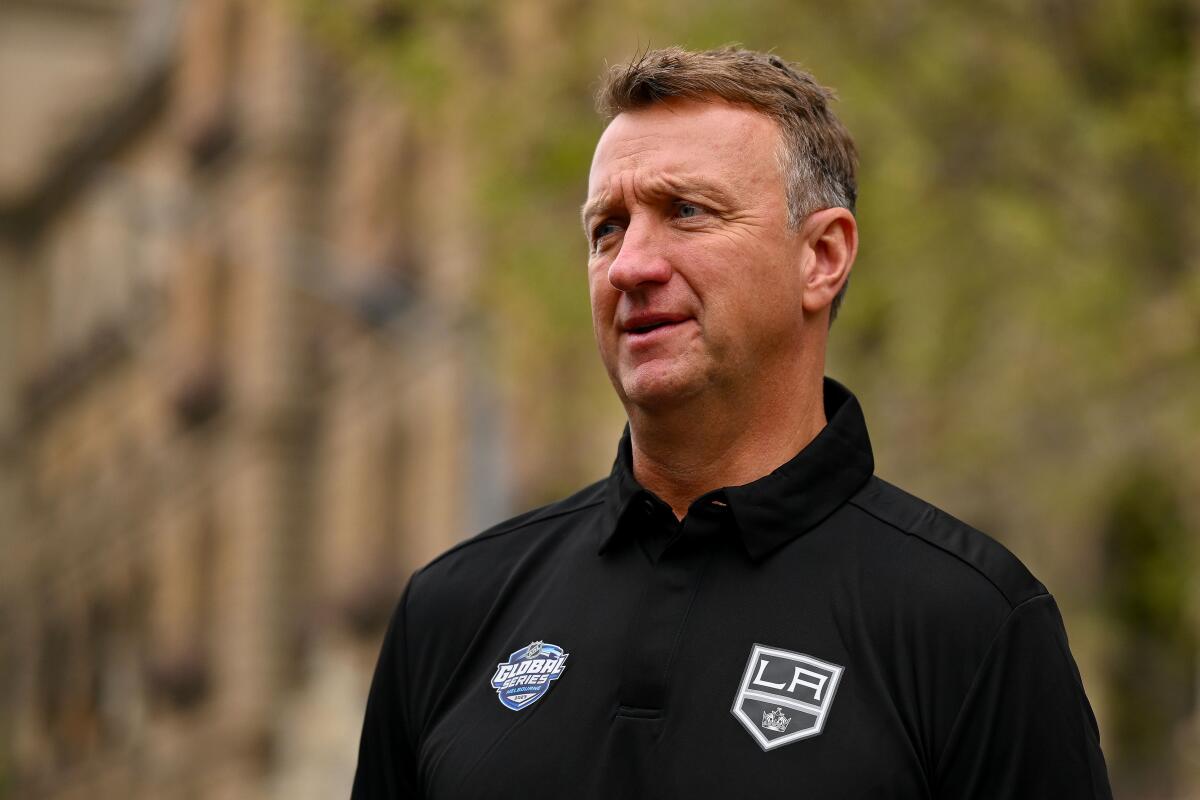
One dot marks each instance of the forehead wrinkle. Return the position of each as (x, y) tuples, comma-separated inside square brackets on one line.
[(671, 184), (606, 200), (609, 197), (659, 185)]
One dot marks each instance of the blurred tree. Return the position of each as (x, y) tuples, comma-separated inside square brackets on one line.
[(1147, 580), (1022, 320)]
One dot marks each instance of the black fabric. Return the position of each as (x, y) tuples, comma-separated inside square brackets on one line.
[(887, 650), (778, 507)]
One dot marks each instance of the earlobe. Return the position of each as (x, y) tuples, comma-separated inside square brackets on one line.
[(831, 237)]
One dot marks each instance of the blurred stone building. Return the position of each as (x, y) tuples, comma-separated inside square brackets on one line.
[(237, 405)]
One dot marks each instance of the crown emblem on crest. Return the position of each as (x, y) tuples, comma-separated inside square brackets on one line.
[(775, 720), (534, 650)]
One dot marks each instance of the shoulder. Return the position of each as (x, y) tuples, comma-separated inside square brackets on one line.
[(477, 565), (933, 539), (515, 533), (965, 633)]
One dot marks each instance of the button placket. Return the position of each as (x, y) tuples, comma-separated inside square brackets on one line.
[(653, 634)]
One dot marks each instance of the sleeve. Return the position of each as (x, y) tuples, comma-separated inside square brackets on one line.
[(1025, 729), (386, 753)]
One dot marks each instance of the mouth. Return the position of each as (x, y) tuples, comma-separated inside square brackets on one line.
[(652, 326), (643, 333), (644, 323)]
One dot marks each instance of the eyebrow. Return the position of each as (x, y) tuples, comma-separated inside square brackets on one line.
[(592, 207), (661, 186)]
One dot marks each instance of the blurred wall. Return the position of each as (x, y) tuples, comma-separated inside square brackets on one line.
[(292, 298), (239, 397)]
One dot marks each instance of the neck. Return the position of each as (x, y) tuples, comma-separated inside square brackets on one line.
[(685, 452)]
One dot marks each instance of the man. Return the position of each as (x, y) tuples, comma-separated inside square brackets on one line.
[(741, 609)]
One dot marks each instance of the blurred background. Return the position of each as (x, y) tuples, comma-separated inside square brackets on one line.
[(292, 299)]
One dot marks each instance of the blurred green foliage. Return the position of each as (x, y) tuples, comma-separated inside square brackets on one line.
[(1147, 558), (1023, 324), (1028, 165)]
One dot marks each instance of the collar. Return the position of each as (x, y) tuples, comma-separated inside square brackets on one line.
[(776, 508)]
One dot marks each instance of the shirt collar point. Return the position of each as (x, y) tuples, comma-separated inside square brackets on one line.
[(785, 504)]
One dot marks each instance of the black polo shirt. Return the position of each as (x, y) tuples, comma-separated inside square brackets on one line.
[(816, 633)]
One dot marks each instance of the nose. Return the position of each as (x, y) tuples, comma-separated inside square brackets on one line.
[(641, 261)]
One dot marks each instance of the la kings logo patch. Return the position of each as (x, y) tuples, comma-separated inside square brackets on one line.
[(784, 696), (525, 677)]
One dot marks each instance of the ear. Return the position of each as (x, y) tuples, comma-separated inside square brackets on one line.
[(831, 242)]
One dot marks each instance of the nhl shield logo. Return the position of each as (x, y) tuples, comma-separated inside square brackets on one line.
[(525, 677), (784, 696)]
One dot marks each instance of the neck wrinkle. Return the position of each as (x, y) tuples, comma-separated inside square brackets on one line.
[(681, 457)]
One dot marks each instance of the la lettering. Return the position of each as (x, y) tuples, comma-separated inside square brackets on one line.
[(797, 680)]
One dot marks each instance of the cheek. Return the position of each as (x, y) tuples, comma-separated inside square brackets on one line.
[(763, 296), (602, 298), (601, 293)]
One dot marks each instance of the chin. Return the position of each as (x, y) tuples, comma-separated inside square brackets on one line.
[(658, 392)]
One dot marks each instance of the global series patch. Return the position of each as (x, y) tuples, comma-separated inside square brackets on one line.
[(526, 676)]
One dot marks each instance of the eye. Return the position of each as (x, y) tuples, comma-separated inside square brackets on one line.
[(602, 230), (687, 210)]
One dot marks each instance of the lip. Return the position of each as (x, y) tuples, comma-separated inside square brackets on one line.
[(666, 326), (631, 324)]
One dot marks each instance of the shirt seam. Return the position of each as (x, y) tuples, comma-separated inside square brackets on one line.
[(957, 556), (413, 743), (937, 770), (483, 537)]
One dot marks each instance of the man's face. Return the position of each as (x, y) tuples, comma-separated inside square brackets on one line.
[(694, 275)]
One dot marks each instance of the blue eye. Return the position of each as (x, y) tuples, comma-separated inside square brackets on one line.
[(687, 210), (601, 231)]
